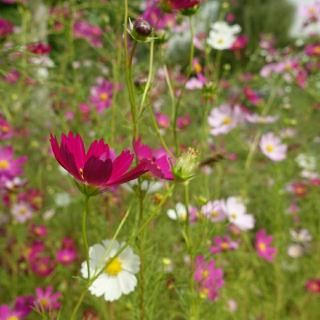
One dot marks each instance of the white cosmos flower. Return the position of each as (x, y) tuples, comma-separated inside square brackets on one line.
[(301, 236), (118, 274), (179, 213), (235, 210), (222, 36), (306, 161), (272, 147)]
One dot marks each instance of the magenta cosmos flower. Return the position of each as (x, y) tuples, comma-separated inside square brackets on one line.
[(263, 246), (10, 167), (208, 277), (156, 161), (96, 167), (183, 4), (45, 299), (101, 95)]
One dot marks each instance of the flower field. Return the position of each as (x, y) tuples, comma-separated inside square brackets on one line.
[(159, 159)]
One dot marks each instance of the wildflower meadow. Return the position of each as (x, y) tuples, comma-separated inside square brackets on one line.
[(159, 159)]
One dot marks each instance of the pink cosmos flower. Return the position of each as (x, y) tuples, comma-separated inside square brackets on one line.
[(6, 27), (39, 230), (313, 285), (46, 300), (42, 266), (263, 242), (10, 167), (23, 305), (196, 83), (240, 43), (224, 118), (252, 96), (272, 147), (101, 95), (39, 48), (208, 277), (7, 313), (157, 161), (22, 211), (313, 50), (213, 210), (66, 256), (183, 4), (156, 17), (96, 167), (163, 120), (91, 33), (222, 244), (5, 129), (236, 212), (12, 76), (184, 121)]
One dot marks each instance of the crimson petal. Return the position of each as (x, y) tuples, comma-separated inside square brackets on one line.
[(96, 171)]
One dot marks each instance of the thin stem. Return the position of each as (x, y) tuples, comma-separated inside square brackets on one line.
[(84, 232), (90, 281), (177, 104), (141, 252), (149, 80), (128, 73)]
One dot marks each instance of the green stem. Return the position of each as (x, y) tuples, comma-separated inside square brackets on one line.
[(149, 80), (128, 74), (141, 253), (177, 103), (84, 232)]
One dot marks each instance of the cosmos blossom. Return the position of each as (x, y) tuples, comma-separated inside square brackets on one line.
[(272, 147), (96, 167), (157, 161), (208, 277), (10, 167), (183, 4), (46, 299), (263, 246), (118, 274)]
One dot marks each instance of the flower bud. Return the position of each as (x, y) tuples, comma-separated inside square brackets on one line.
[(186, 165), (142, 27)]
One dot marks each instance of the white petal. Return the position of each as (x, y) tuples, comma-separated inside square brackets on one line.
[(127, 282)]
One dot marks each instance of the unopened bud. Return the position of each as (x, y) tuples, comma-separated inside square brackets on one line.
[(186, 165)]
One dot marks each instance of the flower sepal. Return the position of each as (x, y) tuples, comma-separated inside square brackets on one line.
[(87, 190)]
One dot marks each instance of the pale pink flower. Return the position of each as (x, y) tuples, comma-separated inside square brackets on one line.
[(272, 147)]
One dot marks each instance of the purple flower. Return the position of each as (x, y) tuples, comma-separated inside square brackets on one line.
[(24, 305), (46, 300), (6, 27), (66, 256), (10, 167), (6, 313), (213, 211), (157, 161), (222, 244), (101, 95), (208, 277), (263, 246)]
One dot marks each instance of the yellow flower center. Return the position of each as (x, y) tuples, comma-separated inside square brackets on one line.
[(43, 302), (269, 148), (317, 50), (4, 129), (262, 246), (233, 216), (205, 274), (227, 120), (114, 267), (214, 213), (104, 96), (13, 318), (220, 41), (224, 245), (4, 164), (22, 211)]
